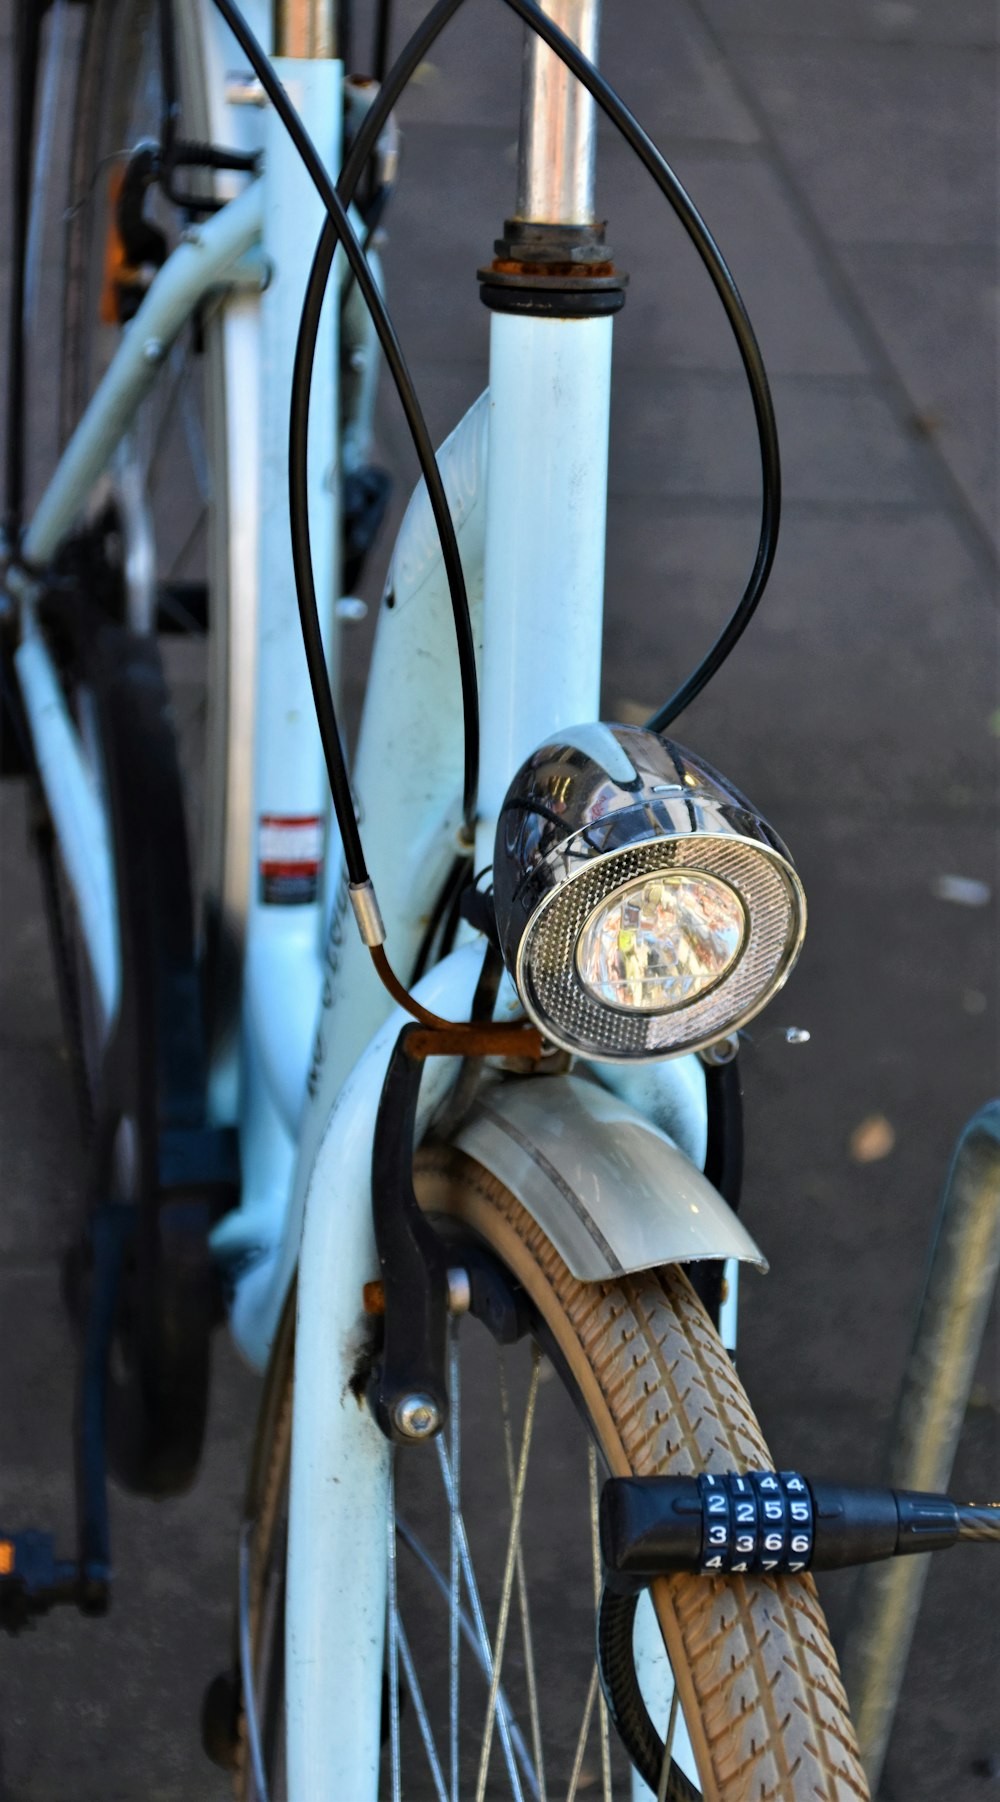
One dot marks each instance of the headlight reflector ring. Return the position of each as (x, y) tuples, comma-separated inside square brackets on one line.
[(644, 909)]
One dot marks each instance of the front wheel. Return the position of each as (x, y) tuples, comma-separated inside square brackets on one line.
[(491, 1685)]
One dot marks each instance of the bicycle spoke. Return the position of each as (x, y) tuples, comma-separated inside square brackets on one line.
[(506, 1735), (661, 1792), (181, 366), (247, 1670), (394, 1747), (513, 1540), (522, 1595), (469, 1634), (416, 1693), (178, 370), (581, 1744), (595, 1547)]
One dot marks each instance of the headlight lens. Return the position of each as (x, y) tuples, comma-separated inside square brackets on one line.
[(660, 943), (643, 907)]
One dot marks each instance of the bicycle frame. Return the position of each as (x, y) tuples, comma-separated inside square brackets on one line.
[(301, 1068)]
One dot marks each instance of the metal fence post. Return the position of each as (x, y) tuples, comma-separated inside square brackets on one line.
[(961, 1280)]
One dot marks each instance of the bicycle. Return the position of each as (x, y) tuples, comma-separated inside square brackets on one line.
[(221, 1112)]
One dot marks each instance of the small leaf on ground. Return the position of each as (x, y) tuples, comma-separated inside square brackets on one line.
[(874, 1138)]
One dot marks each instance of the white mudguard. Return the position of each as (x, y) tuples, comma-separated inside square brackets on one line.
[(610, 1189)]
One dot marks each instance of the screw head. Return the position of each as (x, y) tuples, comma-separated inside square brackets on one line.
[(459, 1291), (152, 350), (417, 1416)]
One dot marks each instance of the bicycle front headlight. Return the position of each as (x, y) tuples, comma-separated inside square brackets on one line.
[(644, 908)]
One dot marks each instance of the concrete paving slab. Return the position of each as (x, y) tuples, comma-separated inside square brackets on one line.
[(457, 187), (884, 986), (29, 1007), (672, 312), (106, 1711), (863, 606), (690, 433), (912, 167), (473, 75), (956, 1647), (880, 21), (936, 315), (41, 1167)]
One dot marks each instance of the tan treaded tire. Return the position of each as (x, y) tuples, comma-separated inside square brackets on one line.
[(757, 1676)]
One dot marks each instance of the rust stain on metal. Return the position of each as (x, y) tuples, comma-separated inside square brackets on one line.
[(373, 1298), (553, 271), (472, 1040)]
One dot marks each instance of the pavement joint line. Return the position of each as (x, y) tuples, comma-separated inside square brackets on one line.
[(820, 42), (794, 507), (818, 508), (843, 284), (969, 248)]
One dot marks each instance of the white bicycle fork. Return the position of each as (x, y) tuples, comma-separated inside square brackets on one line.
[(546, 498)]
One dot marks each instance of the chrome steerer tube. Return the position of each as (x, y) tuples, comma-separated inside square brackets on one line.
[(305, 28), (552, 289), (555, 174)]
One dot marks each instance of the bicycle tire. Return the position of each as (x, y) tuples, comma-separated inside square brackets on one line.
[(142, 1074), (755, 1672), (152, 1081), (117, 104)]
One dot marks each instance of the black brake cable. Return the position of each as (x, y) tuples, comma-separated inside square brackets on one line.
[(683, 206), (337, 227), (341, 230), (711, 256), (383, 29)]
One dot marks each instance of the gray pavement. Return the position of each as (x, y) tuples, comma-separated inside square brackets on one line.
[(843, 153)]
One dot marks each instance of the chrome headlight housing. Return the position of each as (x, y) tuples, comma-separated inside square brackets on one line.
[(643, 907)]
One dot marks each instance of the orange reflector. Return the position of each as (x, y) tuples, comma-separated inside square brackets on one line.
[(373, 1298), (6, 1557), (115, 265)]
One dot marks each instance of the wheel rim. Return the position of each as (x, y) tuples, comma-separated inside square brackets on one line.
[(491, 1687), (517, 1578)]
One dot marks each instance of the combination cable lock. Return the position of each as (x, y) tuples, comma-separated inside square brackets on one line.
[(764, 1523), (771, 1523)]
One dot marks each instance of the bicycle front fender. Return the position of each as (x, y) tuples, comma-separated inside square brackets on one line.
[(611, 1190)]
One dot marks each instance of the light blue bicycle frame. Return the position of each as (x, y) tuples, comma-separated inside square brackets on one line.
[(301, 1066)]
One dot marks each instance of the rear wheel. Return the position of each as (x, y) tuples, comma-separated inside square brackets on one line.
[(156, 531), (148, 705), (496, 1552)]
